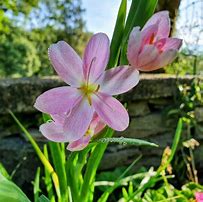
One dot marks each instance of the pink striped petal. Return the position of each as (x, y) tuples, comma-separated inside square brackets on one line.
[(111, 111), (54, 132), (80, 144), (59, 118), (66, 62), (96, 56), (162, 60), (118, 80), (163, 21), (169, 43), (147, 55), (78, 121), (57, 100), (149, 34), (134, 45), (97, 125)]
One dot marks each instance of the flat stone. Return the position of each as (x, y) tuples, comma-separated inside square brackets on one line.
[(146, 126), (138, 108), (19, 95)]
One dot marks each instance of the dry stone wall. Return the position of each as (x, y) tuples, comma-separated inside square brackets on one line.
[(147, 104)]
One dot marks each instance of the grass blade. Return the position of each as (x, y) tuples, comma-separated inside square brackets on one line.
[(4, 172), (117, 183), (41, 156), (37, 185), (47, 179), (59, 166)]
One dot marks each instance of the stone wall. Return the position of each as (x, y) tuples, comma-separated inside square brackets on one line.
[(147, 103)]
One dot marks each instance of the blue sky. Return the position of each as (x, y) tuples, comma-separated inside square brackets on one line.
[(100, 16)]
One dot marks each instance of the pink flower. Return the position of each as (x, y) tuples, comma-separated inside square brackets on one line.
[(151, 48), (54, 131), (199, 196), (91, 90), (95, 127)]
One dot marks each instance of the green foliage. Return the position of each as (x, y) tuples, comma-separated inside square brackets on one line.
[(18, 56), (186, 64), (18, 6), (11, 192), (31, 27)]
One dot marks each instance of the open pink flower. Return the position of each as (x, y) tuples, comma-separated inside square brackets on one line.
[(199, 196), (151, 48), (54, 131), (91, 89)]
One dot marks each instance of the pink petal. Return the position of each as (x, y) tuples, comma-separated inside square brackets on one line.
[(118, 80), (97, 124), (162, 60), (163, 21), (147, 55), (54, 132), (59, 118), (57, 100), (79, 144), (111, 111), (169, 43), (96, 56), (199, 196), (134, 45), (149, 34), (66, 62), (78, 121)]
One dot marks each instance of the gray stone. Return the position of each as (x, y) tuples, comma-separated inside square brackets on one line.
[(138, 108), (149, 125), (19, 95)]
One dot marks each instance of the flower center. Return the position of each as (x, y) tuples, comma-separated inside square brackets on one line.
[(88, 90)]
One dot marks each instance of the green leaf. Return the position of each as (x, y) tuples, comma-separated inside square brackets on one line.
[(37, 185), (59, 166), (46, 117), (47, 178), (43, 198), (125, 141), (174, 145), (11, 192), (117, 35), (4, 172)]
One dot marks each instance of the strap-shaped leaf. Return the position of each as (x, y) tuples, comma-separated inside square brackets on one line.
[(125, 141)]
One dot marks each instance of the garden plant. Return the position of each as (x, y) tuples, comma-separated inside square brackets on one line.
[(81, 117)]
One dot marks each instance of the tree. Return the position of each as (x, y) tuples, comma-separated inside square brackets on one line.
[(45, 22)]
